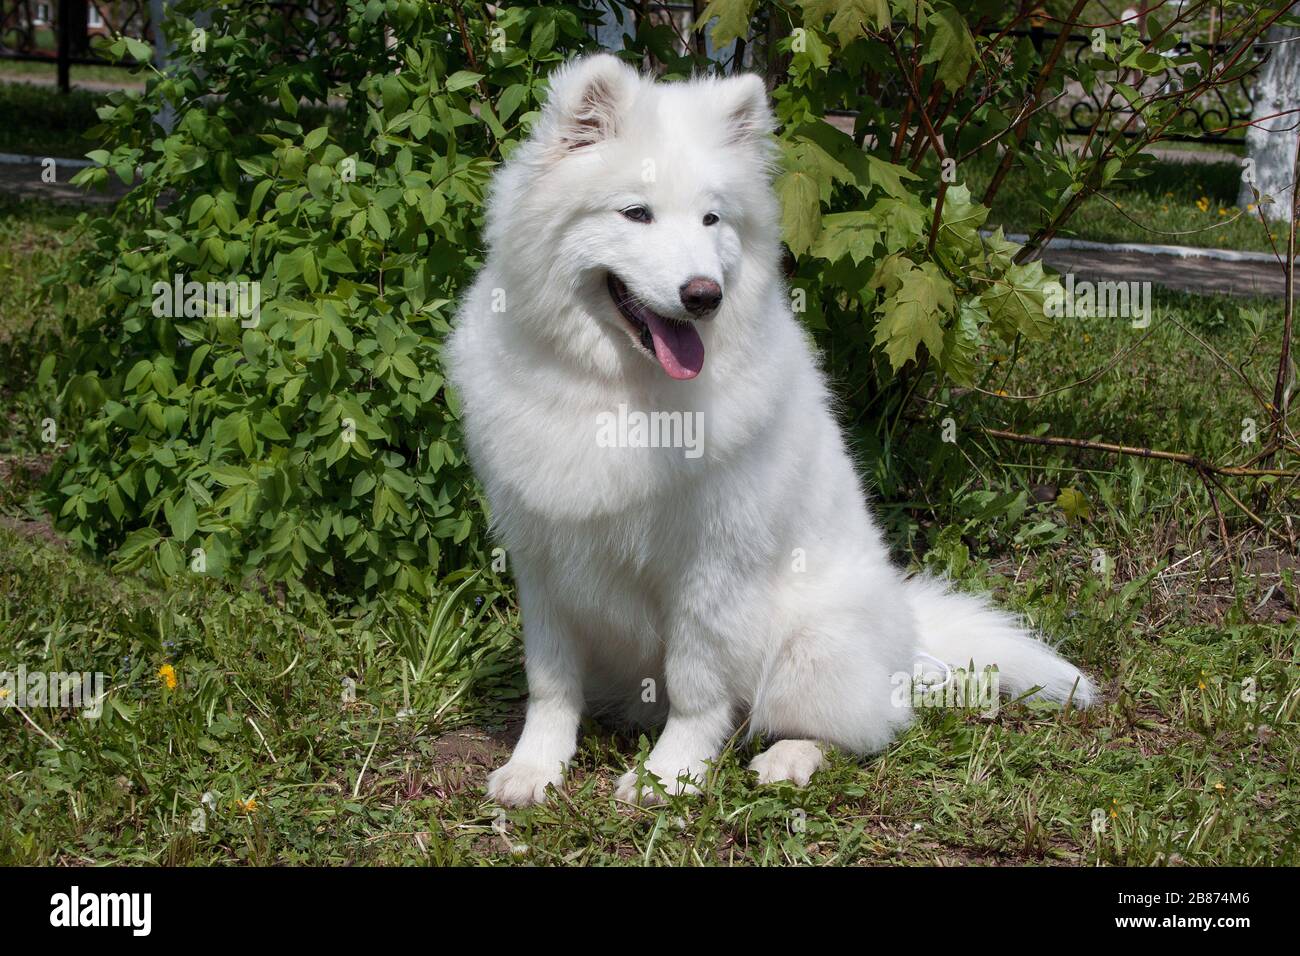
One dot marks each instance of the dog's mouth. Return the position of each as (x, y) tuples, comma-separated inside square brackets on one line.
[(674, 344)]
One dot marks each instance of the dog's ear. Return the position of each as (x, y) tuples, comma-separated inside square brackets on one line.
[(587, 100), (747, 115)]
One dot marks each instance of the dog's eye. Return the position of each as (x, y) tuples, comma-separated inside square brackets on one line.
[(710, 218), (637, 213)]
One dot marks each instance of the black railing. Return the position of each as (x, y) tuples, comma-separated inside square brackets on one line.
[(59, 31), (1216, 116)]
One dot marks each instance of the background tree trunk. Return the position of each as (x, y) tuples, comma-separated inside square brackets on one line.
[(1271, 144)]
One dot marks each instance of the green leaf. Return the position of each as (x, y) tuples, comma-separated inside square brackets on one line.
[(951, 46), (961, 344), (543, 38), (462, 79), (137, 374), (379, 222), (336, 260), (1074, 504), (1015, 303), (509, 101), (962, 219), (854, 234), (315, 138), (138, 49), (288, 102), (852, 18), (890, 177), (733, 20), (912, 315), (800, 210), (319, 179), (183, 519), (903, 220), (809, 157)]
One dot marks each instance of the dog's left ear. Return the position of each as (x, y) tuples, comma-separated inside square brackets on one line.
[(747, 115)]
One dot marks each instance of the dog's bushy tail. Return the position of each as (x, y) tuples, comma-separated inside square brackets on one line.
[(960, 628)]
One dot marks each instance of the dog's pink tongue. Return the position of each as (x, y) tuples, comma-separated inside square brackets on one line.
[(677, 346)]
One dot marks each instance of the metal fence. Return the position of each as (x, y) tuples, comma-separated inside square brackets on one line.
[(1216, 117), (1212, 117), (60, 31)]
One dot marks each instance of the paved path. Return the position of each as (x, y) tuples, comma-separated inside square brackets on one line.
[(24, 179), (1206, 271), (1189, 275)]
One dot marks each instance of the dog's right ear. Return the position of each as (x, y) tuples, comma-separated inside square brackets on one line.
[(587, 100)]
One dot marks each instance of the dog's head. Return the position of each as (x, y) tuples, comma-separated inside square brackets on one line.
[(628, 217)]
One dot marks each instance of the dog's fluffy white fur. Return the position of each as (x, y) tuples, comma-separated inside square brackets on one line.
[(748, 581)]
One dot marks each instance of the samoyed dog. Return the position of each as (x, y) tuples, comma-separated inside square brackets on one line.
[(690, 540)]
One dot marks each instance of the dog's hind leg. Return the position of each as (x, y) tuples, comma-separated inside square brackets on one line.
[(793, 760), (832, 682)]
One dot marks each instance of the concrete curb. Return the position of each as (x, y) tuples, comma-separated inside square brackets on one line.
[(18, 159)]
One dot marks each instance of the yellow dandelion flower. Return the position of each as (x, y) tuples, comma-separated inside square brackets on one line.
[(1222, 211), (246, 806), (1200, 685), (1219, 786), (167, 674), (1203, 204)]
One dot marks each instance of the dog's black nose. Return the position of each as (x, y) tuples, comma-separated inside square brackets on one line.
[(700, 295)]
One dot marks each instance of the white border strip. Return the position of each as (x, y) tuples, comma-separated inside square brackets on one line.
[(1182, 252)]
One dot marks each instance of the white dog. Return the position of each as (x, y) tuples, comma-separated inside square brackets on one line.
[(687, 531)]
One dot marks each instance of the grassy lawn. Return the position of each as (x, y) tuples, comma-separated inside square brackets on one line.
[(1190, 203), (296, 732), (27, 70), (41, 121)]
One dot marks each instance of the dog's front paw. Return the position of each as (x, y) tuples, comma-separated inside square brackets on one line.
[(520, 784), (636, 789)]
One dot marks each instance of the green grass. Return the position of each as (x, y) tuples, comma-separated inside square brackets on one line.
[(41, 121), (1185, 204), (32, 242), (26, 70), (364, 735)]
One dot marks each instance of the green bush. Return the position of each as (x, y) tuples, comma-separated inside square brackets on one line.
[(315, 444)]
